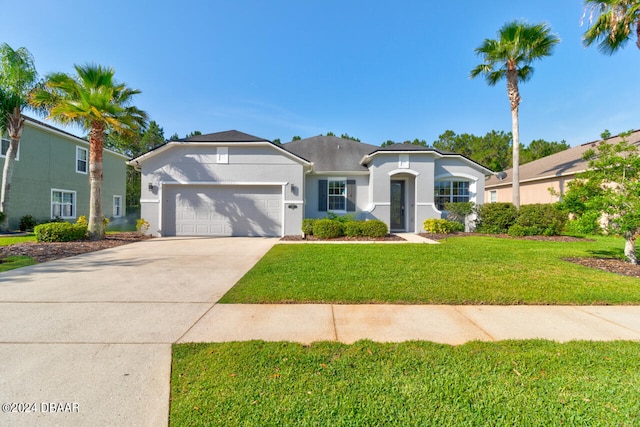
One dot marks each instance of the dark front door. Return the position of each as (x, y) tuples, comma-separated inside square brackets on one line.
[(397, 205)]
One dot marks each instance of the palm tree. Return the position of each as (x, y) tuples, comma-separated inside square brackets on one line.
[(18, 78), (613, 22), (510, 56), (93, 100)]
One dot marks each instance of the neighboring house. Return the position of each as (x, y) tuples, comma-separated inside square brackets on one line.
[(234, 184), (551, 172), (51, 176)]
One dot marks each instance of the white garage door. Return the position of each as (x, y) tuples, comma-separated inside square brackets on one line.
[(222, 211)]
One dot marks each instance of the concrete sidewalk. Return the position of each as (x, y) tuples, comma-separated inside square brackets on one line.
[(392, 323)]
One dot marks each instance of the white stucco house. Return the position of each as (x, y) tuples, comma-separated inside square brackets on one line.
[(234, 184)]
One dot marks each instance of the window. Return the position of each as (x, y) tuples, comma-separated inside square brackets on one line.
[(63, 204), (451, 191), (81, 159), (5, 148), (117, 206), (337, 195), (493, 196)]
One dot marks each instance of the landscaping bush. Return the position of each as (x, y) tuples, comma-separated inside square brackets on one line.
[(27, 222), (495, 217), (327, 228), (307, 226), (374, 228), (458, 211), (142, 226), (541, 219), (60, 232), (587, 223), (353, 228), (434, 225)]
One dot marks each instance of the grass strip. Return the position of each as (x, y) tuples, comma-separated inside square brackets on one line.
[(412, 383), (13, 262)]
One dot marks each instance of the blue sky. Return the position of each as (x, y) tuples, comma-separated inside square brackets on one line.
[(375, 70)]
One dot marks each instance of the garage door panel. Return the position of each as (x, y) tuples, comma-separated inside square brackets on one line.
[(223, 210)]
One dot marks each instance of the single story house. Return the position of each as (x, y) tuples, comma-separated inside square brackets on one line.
[(51, 176), (234, 184), (551, 172)]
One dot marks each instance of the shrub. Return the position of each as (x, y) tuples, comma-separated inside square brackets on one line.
[(341, 218), (327, 228), (142, 225), (60, 232), (537, 219), (353, 228), (587, 223), (434, 225), (458, 211), (307, 226), (27, 222), (495, 217), (374, 228)]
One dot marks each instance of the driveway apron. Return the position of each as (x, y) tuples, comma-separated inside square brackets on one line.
[(87, 340)]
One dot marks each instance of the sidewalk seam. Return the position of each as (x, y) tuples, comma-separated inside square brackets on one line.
[(456, 309), (581, 309), (333, 320), (195, 323)]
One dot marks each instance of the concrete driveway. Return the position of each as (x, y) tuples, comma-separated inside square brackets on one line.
[(87, 340)]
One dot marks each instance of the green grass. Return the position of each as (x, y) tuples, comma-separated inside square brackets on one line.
[(410, 384), (465, 270), (12, 240), (12, 262)]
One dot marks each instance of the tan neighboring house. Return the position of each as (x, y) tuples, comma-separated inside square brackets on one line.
[(551, 172)]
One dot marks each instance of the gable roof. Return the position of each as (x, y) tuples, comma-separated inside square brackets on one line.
[(330, 153), (225, 136), (413, 148), (565, 163), (217, 139)]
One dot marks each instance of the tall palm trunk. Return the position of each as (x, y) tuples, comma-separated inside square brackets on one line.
[(96, 143), (15, 125), (514, 98)]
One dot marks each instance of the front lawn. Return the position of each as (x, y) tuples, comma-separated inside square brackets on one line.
[(463, 270), (12, 262), (412, 383)]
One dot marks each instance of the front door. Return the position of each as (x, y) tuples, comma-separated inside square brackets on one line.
[(397, 205)]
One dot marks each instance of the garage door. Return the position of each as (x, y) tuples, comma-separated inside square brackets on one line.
[(222, 211)]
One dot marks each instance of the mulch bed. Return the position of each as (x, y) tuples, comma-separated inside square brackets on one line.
[(43, 252)]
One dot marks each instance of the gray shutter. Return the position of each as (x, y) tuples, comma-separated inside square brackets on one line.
[(322, 195), (351, 195)]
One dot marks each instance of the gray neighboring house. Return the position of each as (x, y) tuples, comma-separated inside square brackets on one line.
[(234, 184)]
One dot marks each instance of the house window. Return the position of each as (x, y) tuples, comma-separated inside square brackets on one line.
[(337, 195), (63, 204), (493, 196), (81, 159), (117, 206), (5, 148), (450, 191)]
